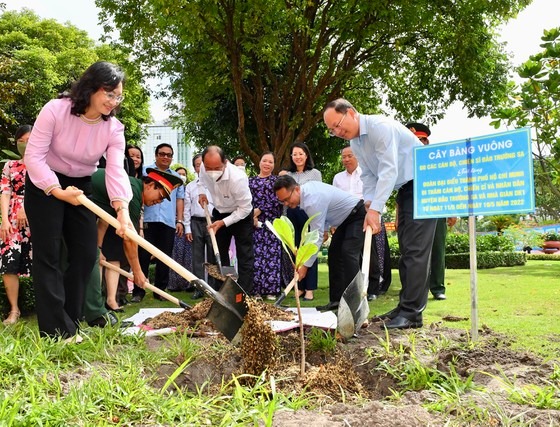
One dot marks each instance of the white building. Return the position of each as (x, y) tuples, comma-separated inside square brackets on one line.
[(160, 133)]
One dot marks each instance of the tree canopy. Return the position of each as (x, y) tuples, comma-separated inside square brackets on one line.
[(536, 103), (40, 58), (273, 64)]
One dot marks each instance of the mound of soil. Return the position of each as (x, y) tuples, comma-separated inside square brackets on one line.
[(349, 387)]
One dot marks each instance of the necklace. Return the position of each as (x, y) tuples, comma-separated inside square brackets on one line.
[(90, 121)]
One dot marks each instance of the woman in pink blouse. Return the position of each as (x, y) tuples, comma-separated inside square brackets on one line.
[(69, 137)]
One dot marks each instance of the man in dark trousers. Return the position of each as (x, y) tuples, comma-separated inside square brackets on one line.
[(153, 189), (384, 149), (232, 215), (335, 208), (380, 266), (161, 223), (436, 279)]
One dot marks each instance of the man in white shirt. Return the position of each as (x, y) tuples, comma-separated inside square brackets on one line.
[(233, 210), (385, 149), (380, 264), (195, 228)]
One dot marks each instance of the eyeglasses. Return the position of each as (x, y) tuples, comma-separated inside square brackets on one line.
[(168, 155), (283, 201), (335, 128), (114, 98)]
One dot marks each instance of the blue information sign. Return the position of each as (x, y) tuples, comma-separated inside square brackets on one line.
[(488, 175)]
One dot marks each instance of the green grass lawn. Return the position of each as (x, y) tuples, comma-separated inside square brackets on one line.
[(523, 302)]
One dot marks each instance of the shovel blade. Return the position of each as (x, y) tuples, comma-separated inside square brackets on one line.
[(353, 308), (228, 318)]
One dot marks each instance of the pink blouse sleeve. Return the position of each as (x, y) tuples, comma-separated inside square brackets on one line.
[(116, 178), (37, 149)]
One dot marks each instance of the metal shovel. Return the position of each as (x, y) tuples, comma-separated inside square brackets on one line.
[(224, 271), (353, 308), (228, 309)]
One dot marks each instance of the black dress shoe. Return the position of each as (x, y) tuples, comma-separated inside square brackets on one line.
[(390, 315), (371, 297), (333, 305), (136, 298), (401, 322), (440, 296), (197, 294), (108, 319)]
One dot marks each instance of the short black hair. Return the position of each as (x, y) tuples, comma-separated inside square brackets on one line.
[(309, 164), (22, 130), (214, 148), (238, 158), (285, 181), (194, 159), (100, 75), (163, 144), (340, 105)]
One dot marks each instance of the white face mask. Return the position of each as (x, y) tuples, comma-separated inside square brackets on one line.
[(242, 167), (214, 175)]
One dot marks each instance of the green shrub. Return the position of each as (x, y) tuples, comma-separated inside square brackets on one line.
[(543, 257), (494, 243), (456, 243), (551, 236), (26, 299), (486, 260), (394, 246)]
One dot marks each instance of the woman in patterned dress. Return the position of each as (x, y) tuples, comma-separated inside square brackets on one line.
[(268, 250), (15, 246)]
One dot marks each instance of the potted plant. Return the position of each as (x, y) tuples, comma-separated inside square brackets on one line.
[(551, 242)]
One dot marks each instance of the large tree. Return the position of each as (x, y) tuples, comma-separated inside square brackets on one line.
[(40, 58), (275, 63), (536, 103)]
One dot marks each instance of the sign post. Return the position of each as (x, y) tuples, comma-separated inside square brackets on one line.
[(487, 175)]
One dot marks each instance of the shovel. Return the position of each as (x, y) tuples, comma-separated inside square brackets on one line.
[(229, 308), (147, 285), (353, 308), (224, 271)]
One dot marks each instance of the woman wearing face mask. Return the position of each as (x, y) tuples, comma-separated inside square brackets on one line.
[(69, 137), (15, 246), (302, 170)]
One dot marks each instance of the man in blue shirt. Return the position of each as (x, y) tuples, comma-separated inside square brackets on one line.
[(384, 148), (334, 208), (160, 224)]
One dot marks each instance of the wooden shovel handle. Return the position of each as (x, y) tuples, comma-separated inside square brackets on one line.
[(211, 231), (367, 251), (147, 285), (132, 235)]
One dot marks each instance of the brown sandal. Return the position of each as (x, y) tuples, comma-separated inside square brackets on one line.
[(12, 318)]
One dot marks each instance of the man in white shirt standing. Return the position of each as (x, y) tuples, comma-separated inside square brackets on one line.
[(233, 210), (380, 264), (195, 227)]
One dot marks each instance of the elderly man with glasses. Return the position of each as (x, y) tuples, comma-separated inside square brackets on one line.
[(161, 222), (384, 149), (332, 207)]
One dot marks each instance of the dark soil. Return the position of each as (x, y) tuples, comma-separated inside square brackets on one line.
[(349, 385)]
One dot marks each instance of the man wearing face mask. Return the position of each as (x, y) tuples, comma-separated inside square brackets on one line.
[(232, 215)]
